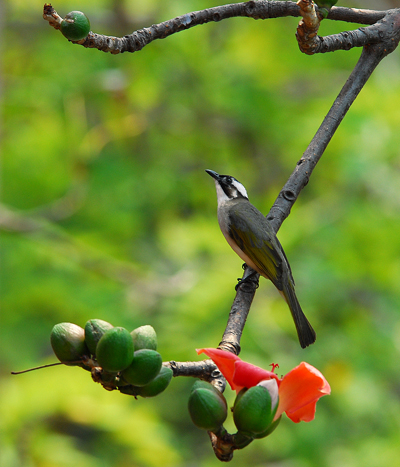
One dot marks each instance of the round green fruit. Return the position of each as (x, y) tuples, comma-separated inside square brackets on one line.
[(75, 26), (144, 337), (114, 352), (252, 412), (158, 385), (68, 343), (145, 366), (207, 409), (94, 330)]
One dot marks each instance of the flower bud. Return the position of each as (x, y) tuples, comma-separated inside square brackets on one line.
[(114, 352), (158, 385), (144, 337), (207, 407), (94, 330), (254, 408), (145, 366), (68, 343)]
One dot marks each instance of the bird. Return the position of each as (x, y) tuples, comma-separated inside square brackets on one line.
[(252, 238)]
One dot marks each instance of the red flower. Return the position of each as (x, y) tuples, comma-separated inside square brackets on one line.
[(299, 390)]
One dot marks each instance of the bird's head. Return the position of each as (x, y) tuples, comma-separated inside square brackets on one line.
[(228, 187)]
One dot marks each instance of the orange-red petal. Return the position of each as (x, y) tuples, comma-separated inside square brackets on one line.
[(224, 360), (305, 414), (299, 392), (238, 373), (247, 375)]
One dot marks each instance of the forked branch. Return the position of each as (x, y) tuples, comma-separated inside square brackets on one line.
[(371, 56)]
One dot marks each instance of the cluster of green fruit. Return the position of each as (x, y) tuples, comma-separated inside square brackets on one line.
[(117, 358), (253, 411)]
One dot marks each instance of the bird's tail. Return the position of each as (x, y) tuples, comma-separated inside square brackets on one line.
[(304, 329)]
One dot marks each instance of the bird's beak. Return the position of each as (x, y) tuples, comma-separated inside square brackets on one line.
[(213, 174)]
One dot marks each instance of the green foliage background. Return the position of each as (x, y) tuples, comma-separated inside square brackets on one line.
[(107, 213)]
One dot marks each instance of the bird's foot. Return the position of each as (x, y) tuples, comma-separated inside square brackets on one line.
[(249, 276)]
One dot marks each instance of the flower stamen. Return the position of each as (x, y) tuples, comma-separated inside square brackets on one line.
[(274, 365)]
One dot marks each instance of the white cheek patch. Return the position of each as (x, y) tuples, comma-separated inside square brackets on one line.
[(239, 187), (221, 195)]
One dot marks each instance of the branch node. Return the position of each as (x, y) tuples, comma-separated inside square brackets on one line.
[(307, 29), (289, 195), (232, 347)]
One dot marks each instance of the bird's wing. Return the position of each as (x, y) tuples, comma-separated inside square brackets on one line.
[(256, 239)]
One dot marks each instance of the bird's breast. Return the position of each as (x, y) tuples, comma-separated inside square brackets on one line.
[(224, 224)]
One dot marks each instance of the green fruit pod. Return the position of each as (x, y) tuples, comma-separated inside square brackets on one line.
[(252, 412), (145, 366), (94, 330), (75, 26), (158, 385), (207, 409), (68, 343), (269, 430), (114, 352), (144, 337)]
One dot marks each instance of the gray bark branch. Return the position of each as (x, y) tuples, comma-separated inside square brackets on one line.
[(260, 9)]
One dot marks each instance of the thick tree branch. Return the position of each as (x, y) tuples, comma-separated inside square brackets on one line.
[(239, 312)]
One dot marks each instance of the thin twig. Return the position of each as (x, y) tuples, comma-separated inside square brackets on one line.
[(261, 9), (354, 15), (36, 368), (204, 369), (345, 40)]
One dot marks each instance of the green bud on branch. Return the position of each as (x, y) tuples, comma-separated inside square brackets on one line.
[(207, 407), (114, 352), (75, 26)]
